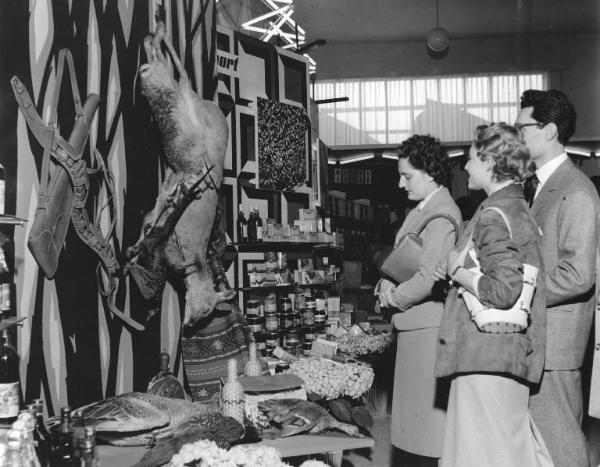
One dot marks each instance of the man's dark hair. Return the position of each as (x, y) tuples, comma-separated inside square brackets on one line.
[(552, 107)]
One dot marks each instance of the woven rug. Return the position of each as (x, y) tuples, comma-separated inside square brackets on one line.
[(223, 336)]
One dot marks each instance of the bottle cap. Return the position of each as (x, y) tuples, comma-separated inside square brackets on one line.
[(164, 361)]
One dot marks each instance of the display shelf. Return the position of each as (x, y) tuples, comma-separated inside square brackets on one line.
[(6, 219), (267, 288), (283, 246)]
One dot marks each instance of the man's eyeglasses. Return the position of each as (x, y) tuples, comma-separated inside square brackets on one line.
[(520, 126)]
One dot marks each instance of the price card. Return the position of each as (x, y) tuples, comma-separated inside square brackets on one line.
[(323, 348)]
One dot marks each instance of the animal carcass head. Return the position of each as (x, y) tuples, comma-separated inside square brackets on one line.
[(201, 298)]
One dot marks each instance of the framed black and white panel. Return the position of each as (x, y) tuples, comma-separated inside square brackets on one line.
[(246, 260), (246, 142), (291, 203), (257, 68), (293, 78), (228, 207)]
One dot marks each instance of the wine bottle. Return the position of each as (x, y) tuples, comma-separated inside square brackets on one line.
[(62, 452), (77, 431), (259, 224), (2, 188), (10, 390), (251, 227), (242, 227), (40, 435)]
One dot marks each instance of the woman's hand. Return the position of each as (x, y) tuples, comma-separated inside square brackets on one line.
[(439, 274), (386, 289), (456, 259)]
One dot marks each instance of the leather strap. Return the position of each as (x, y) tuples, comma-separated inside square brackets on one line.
[(436, 216)]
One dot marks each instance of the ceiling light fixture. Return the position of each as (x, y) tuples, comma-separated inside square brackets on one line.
[(438, 39), (358, 158)]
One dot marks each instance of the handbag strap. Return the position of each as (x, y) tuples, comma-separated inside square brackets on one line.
[(436, 216), (503, 216)]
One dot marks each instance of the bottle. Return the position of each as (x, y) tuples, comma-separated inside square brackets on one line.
[(242, 227), (77, 431), (253, 366), (87, 454), (251, 227), (232, 394), (2, 188), (165, 383), (25, 425), (259, 225), (10, 391), (40, 435), (62, 452)]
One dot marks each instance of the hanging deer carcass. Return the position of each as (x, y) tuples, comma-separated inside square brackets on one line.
[(194, 136)]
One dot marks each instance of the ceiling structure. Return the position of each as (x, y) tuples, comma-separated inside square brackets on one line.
[(405, 20)]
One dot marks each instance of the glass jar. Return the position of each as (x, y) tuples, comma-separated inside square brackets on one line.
[(256, 323), (288, 320), (308, 316), (253, 307), (261, 343), (299, 299), (292, 337), (271, 321), (270, 304), (310, 302), (281, 367), (309, 334), (306, 348), (297, 319), (320, 332), (271, 341), (285, 305), (320, 317)]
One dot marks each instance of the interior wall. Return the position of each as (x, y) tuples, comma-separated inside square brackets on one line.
[(574, 59)]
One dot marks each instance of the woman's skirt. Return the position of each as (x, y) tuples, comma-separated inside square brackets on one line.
[(488, 424), (419, 403)]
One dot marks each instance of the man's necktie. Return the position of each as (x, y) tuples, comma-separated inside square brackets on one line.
[(530, 187)]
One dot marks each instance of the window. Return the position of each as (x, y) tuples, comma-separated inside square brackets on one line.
[(387, 111)]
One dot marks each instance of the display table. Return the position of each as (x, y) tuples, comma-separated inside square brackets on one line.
[(332, 444)]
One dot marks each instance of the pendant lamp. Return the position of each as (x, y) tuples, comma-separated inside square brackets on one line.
[(438, 39)]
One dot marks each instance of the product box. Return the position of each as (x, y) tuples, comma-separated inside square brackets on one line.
[(308, 214)]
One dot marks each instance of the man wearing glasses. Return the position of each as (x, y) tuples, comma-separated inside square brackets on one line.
[(565, 204)]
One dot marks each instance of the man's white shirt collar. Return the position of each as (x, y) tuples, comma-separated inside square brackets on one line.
[(545, 171)]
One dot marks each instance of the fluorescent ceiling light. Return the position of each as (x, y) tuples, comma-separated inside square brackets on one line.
[(358, 158), (578, 152), (456, 153), (331, 161), (390, 155)]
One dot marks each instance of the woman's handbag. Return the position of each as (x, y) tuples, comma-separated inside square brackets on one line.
[(495, 321), (404, 260)]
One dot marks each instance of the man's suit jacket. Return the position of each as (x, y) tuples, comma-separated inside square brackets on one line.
[(420, 310), (566, 209)]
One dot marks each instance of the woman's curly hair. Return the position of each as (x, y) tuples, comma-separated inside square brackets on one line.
[(503, 144), (427, 154)]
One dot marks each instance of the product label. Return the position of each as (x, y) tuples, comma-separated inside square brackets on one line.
[(9, 400)]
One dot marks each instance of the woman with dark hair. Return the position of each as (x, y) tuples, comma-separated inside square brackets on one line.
[(492, 335), (418, 410)]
